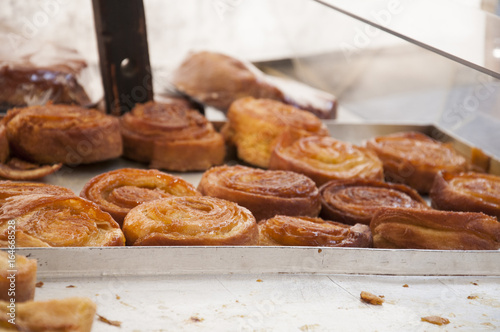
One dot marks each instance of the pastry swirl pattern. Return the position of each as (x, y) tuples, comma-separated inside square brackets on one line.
[(264, 192), (190, 220)]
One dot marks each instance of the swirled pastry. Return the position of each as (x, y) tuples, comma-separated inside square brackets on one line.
[(75, 314), (468, 191), (171, 136), (432, 229), (254, 126), (17, 169), (265, 193), (414, 159), (355, 201), (305, 231), (190, 220), (326, 158), (57, 221), (62, 134), (25, 279), (11, 188), (118, 191)]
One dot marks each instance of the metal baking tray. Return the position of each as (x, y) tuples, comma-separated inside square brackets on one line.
[(144, 261)]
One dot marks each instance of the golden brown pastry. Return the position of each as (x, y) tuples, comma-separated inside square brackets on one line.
[(404, 228), (21, 287), (265, 193), (57, 221), (75, 314), (11, 188), (190, 220), (414, 159), (326, 158), (172, 136), (62, 134), (217, 80), (118, 191), (20, 170), (355, 201), (255, 125), (468, 191), (305, 231)]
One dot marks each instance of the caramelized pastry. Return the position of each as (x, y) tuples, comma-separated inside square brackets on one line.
[(57, 221), (355, 201), (171, 136), (326, 158), (62, 134), (11, 188), (305, 231), (254, 126), (469, 191), (190, 220), (414, 159), (402, 228), (265, 193), (71, 314), (218, 80), (17, 169), (25, 277), (118, 191)]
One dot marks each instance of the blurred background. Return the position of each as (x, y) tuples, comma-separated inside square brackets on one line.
[(377, 76)]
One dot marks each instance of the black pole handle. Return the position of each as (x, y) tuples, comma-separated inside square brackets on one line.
[(123, 53)]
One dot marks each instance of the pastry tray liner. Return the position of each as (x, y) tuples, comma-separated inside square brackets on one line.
[(143, 261)]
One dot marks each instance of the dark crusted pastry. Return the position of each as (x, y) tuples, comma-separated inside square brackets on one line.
[(355, 201), (62, 134), (402, 228), (469, 191), (57, 221), (190, 220), (304, 231), (218, 80), (172, 136), (265, 193), (254, 126), (118, 191), (326, 158), (414, 159)]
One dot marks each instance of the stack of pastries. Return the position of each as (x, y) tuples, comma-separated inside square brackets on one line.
[(298, 185)]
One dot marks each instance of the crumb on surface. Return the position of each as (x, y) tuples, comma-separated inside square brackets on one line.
[(260, 280), (406, 285), (474, 283), (39, 284), (107, 321), (196, 319), (472, 297), (117, 297), (435, 320), (371, 298), (71, 286)]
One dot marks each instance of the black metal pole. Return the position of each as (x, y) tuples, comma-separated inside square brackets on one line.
[(123, 53)]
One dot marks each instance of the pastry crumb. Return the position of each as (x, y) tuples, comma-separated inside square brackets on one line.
[(196, 319), (259, 280), (371, 298), (39, 284), (474, 283), (107, 321), (71, 286), (435, 320), (117, 297), (406, 285), (472, 297)]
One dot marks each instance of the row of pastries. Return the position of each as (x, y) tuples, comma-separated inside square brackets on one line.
[(299, 185)]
